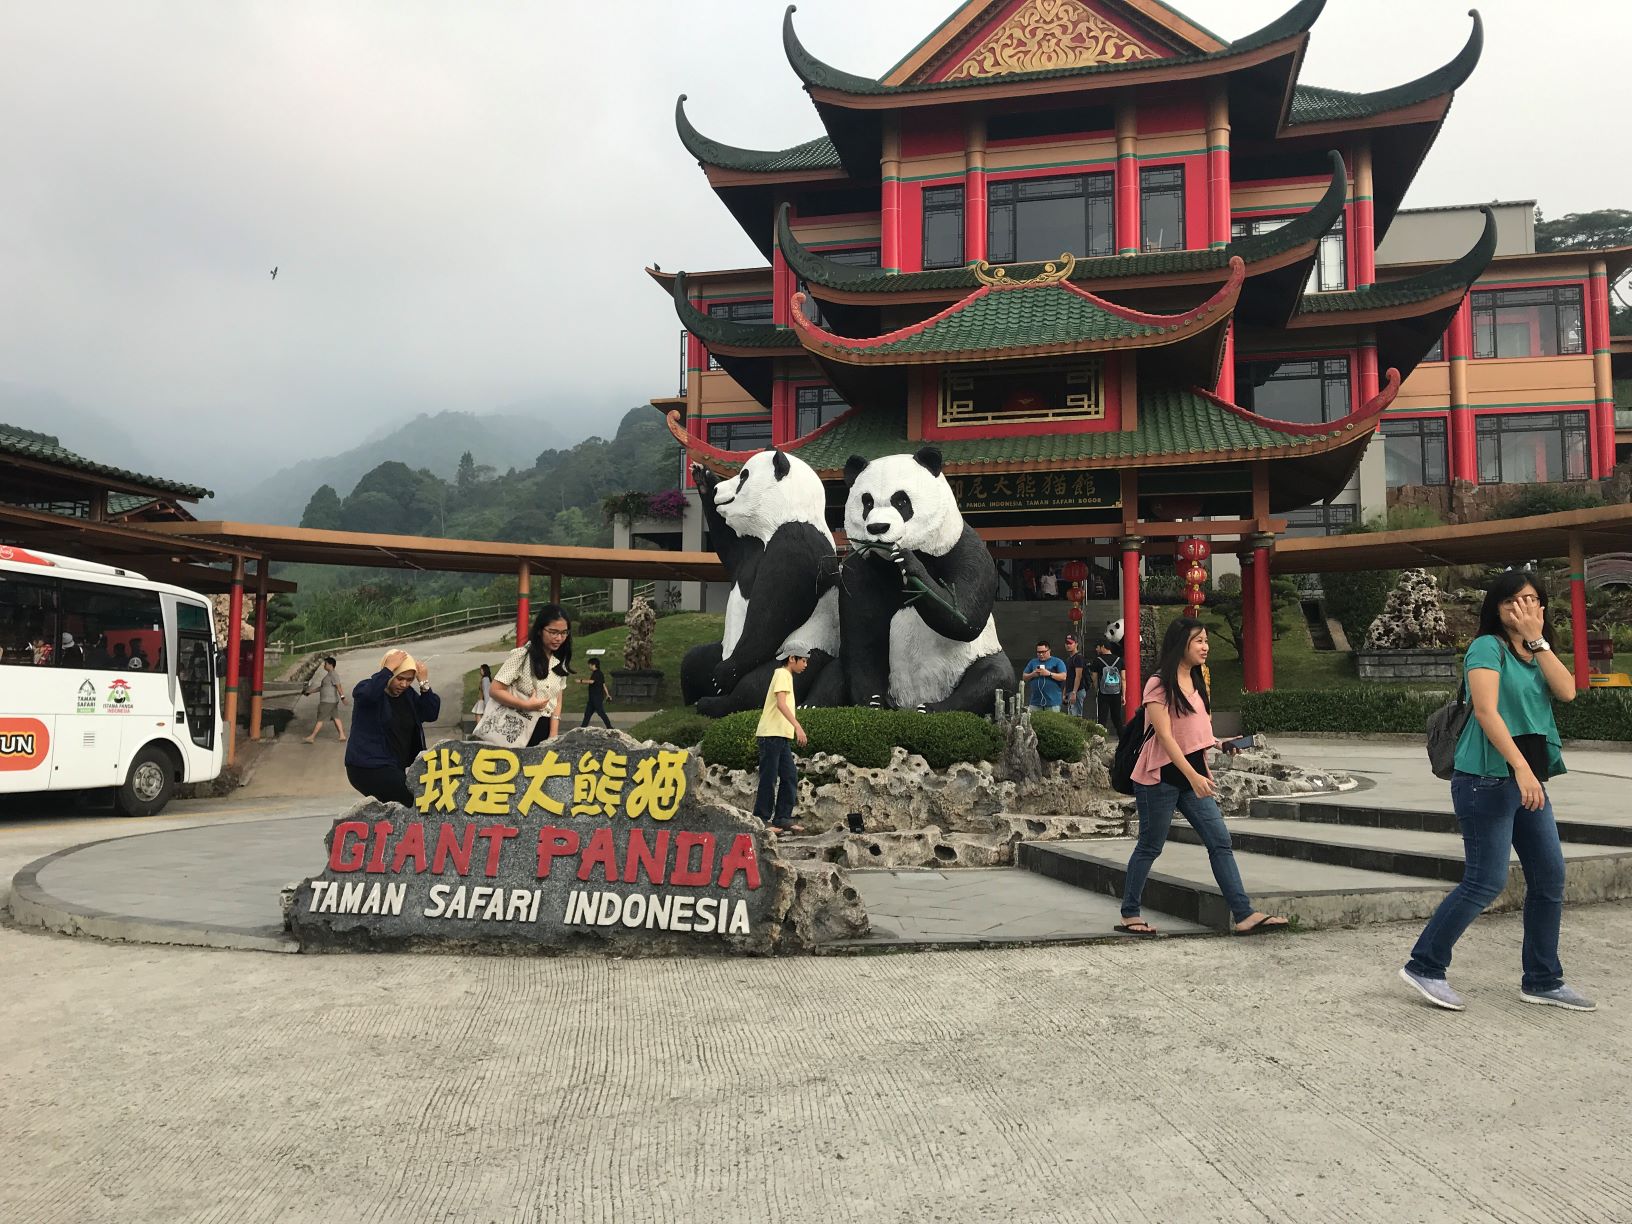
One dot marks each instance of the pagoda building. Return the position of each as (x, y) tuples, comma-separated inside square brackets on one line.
[(1122, 273)]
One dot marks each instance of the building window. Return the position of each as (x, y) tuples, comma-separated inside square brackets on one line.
[(740, 435), (1161, 208), (1331, 269), (1414, 453), (815, 407), (1322, 520), (754, 314), (1543, 322), (943, 227), (1533, 447), (1046, 394), (852, 257), (1034, 219), (1305, 392)]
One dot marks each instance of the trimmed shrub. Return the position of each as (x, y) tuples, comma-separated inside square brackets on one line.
[(1061, 737), (863, 737), (679, 726), (1598, 714)]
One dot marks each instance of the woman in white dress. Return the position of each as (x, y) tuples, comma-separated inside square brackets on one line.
[(533, 676)]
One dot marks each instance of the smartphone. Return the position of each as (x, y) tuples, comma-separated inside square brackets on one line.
[(1240, 744)]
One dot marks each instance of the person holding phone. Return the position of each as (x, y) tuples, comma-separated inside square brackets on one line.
[(1506, 754), (1171, 773)]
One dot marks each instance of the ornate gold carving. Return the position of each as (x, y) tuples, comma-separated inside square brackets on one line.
[(1054, 271), (1044, 34)]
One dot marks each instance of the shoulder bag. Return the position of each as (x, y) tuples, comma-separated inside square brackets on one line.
[(1446, 724)]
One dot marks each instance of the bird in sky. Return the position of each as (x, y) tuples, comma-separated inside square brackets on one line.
[(274, 274)]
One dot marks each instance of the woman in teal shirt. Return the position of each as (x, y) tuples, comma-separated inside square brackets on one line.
[(1508, 750)]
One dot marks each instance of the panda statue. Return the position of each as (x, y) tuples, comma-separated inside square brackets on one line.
[(916, 592), (1114, 632), (768, 523)]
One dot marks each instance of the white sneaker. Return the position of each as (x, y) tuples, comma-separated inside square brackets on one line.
[(1560, 996), (1436, 990)]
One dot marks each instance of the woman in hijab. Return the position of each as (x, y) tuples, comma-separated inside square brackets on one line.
[(389, 713)]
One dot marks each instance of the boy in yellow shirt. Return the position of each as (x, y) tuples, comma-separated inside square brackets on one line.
[(777, 731)]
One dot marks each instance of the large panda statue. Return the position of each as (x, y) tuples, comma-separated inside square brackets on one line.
[(768, 523), (916, 592)]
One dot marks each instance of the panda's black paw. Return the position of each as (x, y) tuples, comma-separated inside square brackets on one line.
[(725, 676)]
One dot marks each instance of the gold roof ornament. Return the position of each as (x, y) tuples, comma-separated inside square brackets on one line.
[(1053, 272)]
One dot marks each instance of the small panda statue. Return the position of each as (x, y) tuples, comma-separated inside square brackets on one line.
[(768, 523), (916, 592), (1113, 632)]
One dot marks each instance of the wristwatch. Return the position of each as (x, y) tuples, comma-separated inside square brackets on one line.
[(1538, 644)]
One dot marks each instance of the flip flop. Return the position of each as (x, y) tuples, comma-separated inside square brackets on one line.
[(786, 828), (1127, 928), (1269, 922)]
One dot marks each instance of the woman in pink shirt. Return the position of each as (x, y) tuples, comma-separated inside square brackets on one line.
[(1172, 773)]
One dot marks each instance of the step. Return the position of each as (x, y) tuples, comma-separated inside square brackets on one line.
[(1591, 872), (1316, 894), (1360, 814)]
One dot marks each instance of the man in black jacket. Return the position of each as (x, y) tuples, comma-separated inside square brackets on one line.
[(389, 713)]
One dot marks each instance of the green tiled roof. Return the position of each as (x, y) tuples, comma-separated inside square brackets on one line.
[(815, 74), (1172, 422), (727, 332), (1456, 276), (27, 444), (1313, 104), (818, 154), (816, 269)]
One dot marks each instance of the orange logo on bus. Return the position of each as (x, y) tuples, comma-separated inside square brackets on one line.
[(11, 553), (24, 743)]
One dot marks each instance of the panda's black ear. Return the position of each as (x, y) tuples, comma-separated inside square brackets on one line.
[(853, 467), (780, 464), (929, 457)]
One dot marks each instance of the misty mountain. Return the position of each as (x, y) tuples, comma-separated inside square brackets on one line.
[(500, 440), (97, 436)]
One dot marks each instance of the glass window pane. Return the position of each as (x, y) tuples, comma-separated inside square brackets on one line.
[(740, 435), (28, 623), (1435, 461), (1161, 209), (1046, 228), (943, 227), (1101, 226), (1572, 337), (1333, 275), (1000, 233), (114, 629), (1402, 460)]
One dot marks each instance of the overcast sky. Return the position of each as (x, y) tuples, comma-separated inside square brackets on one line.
[(461, 196)]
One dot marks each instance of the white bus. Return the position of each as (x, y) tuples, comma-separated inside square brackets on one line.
[(107, 680)]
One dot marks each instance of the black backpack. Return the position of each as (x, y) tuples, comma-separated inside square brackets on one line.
[(1134, 737)]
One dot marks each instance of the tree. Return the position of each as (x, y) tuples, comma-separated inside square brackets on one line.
[(1604, 227), (323, 510), (466, 477)]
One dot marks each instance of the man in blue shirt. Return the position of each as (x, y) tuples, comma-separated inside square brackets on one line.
[(1046, 676)]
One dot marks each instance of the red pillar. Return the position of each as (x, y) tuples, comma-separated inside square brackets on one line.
[(1226, 366), (1263, 617), (524, 586), (1603, 447), (889, 235), (1218, 170), (1127, 180), (1133, 685), (974, 191), (235, 636), (257, 671), (1578, 613), (1365, 228), (1458, 345), (1249, 622), (1366, 376)]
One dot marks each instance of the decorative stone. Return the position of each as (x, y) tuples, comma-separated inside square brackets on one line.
[(1412, 618), (591, 842)]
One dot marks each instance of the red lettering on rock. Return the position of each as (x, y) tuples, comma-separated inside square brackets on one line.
[(411, 845), (641, 858), (553, 843), (602, 851), (382, 839), (684, 843), (341, 855), (458, 849), (495, 836), (741, 857)]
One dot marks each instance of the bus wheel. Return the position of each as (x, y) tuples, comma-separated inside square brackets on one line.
[(148, 786)]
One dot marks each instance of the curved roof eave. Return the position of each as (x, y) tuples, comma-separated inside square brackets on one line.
[(1396, 298), (817, 154), (725, 335), (1322, 106)]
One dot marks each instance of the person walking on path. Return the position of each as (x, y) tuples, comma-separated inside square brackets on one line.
[(1106, 667), (1046, 676), (532, 678), (388, 720), (329, 697), (779, 729), (595, 703), (1171, 772), (485, 682), (1076, 677), (1507, 752)]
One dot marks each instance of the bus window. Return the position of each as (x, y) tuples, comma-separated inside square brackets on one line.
[(117, 629), (28, 622)]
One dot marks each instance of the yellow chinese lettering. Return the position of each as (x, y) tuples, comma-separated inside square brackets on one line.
[(492, 782), (440, 780), (552, 766), (660, 784)]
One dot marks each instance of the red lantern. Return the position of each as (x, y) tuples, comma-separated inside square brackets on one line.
[(1075, 614), (1074, 594), (1195, 596), (1074, 571), (1196, 575), (1195, 549)]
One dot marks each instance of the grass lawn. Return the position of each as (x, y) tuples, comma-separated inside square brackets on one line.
[(673, 637)]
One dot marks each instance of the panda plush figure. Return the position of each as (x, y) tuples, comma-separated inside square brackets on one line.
[(768, 523), (916, 592), (1113, 632)]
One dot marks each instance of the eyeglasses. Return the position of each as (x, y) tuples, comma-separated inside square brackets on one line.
[(560, 633)]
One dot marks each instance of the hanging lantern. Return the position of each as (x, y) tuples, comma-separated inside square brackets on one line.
[(1195, 595), (1196, 575), (1075, 614), (1074, 571), (1195, 549), (1074, 594)]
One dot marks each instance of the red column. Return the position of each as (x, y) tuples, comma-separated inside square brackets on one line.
[(1458, 345), (235, 637), (889, 235), (1127, 180), (1366, 379), (1226, 366), (524, 586), (974, 191), (257, 671), (1263, 617), (1218, 170), (1578, 613), (1365, 228), (1602, 376), (1133, 685), (1249, 622)]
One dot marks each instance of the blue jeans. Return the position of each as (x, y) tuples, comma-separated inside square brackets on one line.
[(1156, 804), (1493, 821), (776, 766), (1074, 705)]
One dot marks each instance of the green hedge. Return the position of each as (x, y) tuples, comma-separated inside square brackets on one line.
[(863, 737), (1599, 714), (680, 726), (1062, 737)]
